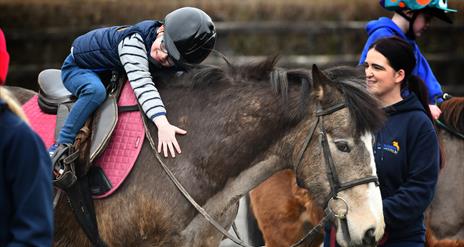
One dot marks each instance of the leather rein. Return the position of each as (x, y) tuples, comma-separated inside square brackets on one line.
[(335, 184)]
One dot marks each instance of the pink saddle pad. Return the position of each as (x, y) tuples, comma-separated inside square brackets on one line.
[(123, 148)]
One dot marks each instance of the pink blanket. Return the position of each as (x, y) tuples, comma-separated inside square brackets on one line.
[(122, 150)]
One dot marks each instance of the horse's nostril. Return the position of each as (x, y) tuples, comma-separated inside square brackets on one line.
[(369, 237)]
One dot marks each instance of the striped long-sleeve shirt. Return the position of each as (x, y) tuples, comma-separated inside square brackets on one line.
[(133, 56)]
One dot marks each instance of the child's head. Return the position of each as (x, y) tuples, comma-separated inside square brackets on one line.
[(187, 37), (419, 13)]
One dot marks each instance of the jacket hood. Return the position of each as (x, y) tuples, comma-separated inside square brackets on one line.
[(384, 22), (408, 104)]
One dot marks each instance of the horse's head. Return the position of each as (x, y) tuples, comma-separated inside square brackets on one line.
[(333, 156)]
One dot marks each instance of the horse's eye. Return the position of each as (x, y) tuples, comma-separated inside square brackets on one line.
[(343, 146)]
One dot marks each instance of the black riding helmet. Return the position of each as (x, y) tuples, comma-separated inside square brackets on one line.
[(189, 35)]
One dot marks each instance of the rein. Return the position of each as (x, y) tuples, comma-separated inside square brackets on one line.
[(449, 129), (444, 126), (185, 193)]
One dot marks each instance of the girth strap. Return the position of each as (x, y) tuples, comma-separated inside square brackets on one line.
[(128, 108), (79, 196), (81, 202)]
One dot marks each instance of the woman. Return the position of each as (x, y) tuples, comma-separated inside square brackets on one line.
[(406, 150), (26, 211)]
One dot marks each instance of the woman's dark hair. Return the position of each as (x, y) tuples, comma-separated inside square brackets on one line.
[(400, 55)]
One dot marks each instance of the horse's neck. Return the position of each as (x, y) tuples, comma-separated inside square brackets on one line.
[(237, 188)]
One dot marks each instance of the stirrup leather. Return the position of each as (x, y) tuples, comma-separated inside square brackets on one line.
[(63, 162)]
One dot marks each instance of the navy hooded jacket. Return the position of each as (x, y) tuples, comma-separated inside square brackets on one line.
[(98, 49), (385, 27), (26, 210), (407, 159)]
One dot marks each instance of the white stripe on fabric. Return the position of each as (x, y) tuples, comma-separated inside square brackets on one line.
[(133, 56)]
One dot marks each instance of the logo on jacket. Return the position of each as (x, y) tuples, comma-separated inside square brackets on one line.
[(393, 148)]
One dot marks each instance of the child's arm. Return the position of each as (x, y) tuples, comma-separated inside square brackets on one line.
[(133, 57)]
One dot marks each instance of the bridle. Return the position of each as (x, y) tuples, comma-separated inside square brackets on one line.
[(335, 185)]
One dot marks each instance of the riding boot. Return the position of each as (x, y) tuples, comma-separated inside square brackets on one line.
[(63, 160)]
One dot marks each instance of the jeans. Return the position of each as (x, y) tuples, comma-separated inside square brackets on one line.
[(90, 92)]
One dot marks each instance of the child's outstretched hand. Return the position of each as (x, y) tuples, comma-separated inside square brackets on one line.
[(167, 136)]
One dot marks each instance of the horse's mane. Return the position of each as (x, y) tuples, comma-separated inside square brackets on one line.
[(453, 113), (203, 76), (364, 108)]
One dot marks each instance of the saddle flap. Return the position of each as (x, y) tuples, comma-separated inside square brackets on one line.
[(104, 123), (61, 115)]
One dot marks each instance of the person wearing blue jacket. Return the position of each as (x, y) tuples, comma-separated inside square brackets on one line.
[(26, 208), (406, 149), (410, 20), (186, 36)]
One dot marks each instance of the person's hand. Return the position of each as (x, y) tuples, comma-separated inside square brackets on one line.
[(436, 112), (167, 136)]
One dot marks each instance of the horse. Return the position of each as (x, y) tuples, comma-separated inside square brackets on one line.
[(279, 199), (445, 216), (286, 216), (244, 122)]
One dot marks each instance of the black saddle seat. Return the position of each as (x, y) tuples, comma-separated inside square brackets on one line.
[(52, 91)]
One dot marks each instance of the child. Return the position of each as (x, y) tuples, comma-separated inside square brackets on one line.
[(186, 36)]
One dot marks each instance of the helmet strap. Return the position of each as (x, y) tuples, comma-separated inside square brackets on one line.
[(154, 62), (404, 15), (410, 33)]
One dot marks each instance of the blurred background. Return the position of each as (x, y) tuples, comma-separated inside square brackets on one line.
[(39, 33)]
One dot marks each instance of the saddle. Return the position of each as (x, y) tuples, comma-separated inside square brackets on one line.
[(54, 98)]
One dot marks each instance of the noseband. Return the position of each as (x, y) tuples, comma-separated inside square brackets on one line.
[(335, 185)]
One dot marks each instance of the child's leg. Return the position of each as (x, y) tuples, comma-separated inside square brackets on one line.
[(90, 92)]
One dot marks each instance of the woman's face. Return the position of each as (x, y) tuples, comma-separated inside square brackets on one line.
[(422, 23), (382, 80)]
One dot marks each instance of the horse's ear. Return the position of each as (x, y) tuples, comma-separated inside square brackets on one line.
[(320, 81)]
